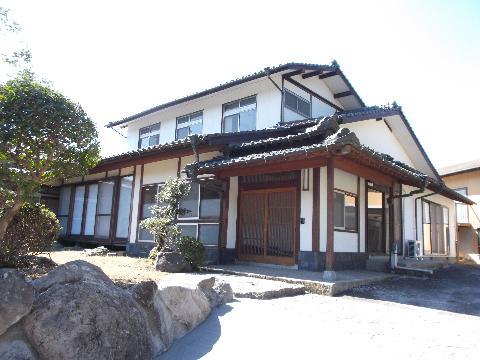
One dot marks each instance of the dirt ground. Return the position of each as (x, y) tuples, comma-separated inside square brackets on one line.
[(125, 271)]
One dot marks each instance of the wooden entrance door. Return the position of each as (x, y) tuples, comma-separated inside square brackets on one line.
[(267, 224)]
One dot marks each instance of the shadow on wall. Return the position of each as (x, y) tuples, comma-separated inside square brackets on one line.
[(200, 341), (455, 289)]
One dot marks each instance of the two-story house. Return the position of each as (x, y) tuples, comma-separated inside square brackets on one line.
[(288, 166), (465, 179)]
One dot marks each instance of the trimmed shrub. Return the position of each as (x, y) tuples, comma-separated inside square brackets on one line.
[(33, 230), (193, 251)]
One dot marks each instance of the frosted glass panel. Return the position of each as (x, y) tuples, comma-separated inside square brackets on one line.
[(63, 223), (91, 208), (64, 201), (102, 226), (124, 201), (105, 193), (78, 210)]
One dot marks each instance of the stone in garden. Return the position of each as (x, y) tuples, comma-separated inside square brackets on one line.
[(218, 292), (172, 262), (16, 298), (80, 314)]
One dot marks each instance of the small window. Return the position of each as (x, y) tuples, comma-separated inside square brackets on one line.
[(189, 124), (297, 104), (190, 202), (149, 136), (345, 211), (240, 115)]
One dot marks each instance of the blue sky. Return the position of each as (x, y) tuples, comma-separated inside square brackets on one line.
[(120, 57)]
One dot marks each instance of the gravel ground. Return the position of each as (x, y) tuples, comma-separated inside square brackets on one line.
[(123, 270), (318, 326), (456, 289)]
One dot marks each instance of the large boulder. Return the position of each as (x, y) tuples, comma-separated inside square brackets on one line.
[(16, 298), (172, 310), (172, 262), (218, 292), (80, 314), (15, 350)]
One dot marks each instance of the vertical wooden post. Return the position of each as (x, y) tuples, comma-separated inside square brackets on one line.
[(391, 219), (224, 216), (316, 210), (329, 268)]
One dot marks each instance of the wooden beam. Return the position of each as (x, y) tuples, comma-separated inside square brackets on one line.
[(293, 73), (366, 172), (312, 73), (329, 74), (279, 165), (330, 259), (343, 94), (313, 93), (316, 210)]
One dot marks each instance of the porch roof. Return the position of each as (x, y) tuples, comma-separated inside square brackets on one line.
[(312, 143)]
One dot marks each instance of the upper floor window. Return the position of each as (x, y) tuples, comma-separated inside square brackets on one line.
[(149, 136), (297, 104), (189, 124), (240, 115)]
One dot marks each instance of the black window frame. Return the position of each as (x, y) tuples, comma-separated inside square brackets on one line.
[(238, 113), (200, 112), (150, 131), (296, 109)]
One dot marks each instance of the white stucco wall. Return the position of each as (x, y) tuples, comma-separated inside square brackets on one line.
[(268, 111), (378, 136), (306, 210), (232, 213)]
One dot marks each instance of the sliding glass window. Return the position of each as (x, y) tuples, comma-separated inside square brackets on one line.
[(64, 209), (104, 208)]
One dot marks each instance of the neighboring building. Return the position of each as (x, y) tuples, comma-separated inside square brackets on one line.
[(465, 179), (288, 166)]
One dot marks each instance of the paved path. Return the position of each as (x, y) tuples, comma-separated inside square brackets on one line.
[(456, 289), (315, 326)]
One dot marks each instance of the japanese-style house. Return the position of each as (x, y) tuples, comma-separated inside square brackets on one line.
[(288, 166)]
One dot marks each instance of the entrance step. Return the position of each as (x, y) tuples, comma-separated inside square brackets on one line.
[(378, 263)]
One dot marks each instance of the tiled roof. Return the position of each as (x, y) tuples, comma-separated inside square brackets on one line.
[(315, 136), (256, 75), (369, 112)]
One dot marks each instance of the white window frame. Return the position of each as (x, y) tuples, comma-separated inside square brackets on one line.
[(197, 229), (148, 134), (239, 110), (189, 123), (297, 111)]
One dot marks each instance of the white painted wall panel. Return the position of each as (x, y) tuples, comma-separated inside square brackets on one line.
[(306, 211), (345, 181), (136, 199), (345, 241), (232, 213), (377, 135), (268, 111), (160, 171)]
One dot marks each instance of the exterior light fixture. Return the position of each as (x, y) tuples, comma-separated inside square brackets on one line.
[(306, 179)]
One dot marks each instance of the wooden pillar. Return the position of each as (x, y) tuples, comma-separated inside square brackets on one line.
[(330, 219), (316, 210), (391, 219)]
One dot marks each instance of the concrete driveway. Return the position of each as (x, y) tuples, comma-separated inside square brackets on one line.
[(456, 289), (358, 326)]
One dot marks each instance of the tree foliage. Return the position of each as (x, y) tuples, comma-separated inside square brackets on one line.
[(44, 137), (34, 229), (193, 251), (164, 215)]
